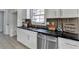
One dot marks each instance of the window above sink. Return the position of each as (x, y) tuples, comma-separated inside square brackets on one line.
[(38, 16)]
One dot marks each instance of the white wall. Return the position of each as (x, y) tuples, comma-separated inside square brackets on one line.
[(6, 22), (9, 18), (1, 21), (21, 15), (13, 23), (2, 9), (28, 14)]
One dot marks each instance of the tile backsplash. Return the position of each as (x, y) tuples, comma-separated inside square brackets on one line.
[(70, 25)]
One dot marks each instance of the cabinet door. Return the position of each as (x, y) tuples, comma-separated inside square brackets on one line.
[(32, 39), (19, 35), (60, 43), (25, 38), (67, 44), (22, 36), (52, 13), (28, 38), (66, 13), (78, 12)]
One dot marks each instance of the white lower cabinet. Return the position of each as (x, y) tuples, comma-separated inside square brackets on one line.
[(32, 39), (20, 35), (64, 43), (28, 38)]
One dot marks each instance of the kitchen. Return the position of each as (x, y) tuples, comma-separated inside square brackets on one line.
[(39, 29), (48, 28)]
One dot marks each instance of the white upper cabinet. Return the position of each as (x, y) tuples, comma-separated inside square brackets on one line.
[(52, 13), (78, 13), (61, 13), (69, 13)]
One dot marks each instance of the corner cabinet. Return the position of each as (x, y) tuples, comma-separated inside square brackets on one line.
[(64, 43), (69, 13), (52, 13), (28, 38)]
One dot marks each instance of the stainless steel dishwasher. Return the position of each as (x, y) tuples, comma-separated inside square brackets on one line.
[(46, 42)]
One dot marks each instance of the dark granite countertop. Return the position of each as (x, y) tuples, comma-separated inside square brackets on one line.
[(70, 36), (55, 33), (43, 31)]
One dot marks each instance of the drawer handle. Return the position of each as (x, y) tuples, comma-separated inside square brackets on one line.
[(71, 44)]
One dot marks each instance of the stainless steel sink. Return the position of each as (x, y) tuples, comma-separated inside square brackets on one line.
[(32, 28), (38, 30)]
